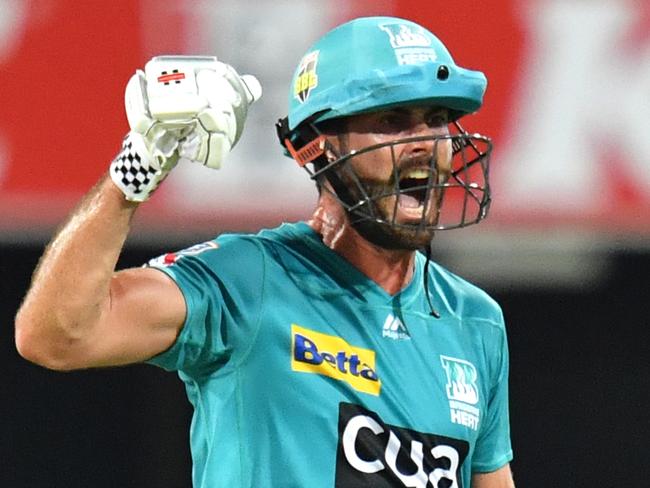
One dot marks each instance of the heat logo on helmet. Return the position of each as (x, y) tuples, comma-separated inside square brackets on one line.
[(314, 352), (307, 79), (412, 44)]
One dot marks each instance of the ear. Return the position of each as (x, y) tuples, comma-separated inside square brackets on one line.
[(331, 154), (336, 146)]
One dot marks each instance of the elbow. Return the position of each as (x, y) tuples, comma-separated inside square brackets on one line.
[(42, 355), (24, 341), (37, 348)]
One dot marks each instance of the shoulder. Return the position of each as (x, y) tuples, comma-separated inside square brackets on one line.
[(293, 246), (289, 235), (221, 249), (234, 251), (462, 297)]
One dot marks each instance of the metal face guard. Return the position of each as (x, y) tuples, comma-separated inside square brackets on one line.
[(449, 197)]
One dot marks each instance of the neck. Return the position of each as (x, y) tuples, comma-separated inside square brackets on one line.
[(389, 268)]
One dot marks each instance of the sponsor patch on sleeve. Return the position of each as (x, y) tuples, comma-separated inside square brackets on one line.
[(171, 258)]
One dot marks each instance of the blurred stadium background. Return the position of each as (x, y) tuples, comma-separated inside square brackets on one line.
[(565, 250)]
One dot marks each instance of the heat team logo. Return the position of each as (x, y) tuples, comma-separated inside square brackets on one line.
[(373, 453), (307, 79), (412, 44), (462, 391), (314, 352)]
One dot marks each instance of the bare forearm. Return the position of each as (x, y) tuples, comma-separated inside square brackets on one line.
[(70, 287)]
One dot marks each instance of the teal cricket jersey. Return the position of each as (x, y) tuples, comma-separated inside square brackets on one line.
[(305, 373)]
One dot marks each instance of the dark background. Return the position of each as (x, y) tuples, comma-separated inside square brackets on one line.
[(579, 393)]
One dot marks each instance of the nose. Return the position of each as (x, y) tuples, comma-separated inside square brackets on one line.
[(421, 147), (430, 148), (420, 128)]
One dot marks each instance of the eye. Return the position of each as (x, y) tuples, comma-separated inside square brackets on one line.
[(393, 121), (438, 119)]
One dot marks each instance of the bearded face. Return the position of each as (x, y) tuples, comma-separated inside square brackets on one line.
[(395, 168)]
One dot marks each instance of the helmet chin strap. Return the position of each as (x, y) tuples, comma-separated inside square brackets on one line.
[(425, 277)]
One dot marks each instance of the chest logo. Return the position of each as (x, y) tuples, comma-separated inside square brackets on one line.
[(373, 453), (462, 391), (394, 328), (315, 352)]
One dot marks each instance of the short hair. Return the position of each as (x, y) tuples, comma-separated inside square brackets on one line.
[(333, 126)]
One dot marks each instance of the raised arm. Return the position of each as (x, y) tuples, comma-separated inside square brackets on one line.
[(79, 312)]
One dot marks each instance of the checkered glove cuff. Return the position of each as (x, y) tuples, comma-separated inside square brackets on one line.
[(134, 171)]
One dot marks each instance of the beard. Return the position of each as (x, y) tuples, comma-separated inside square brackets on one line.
[(401, 210), (408, 237), (375, 221), (380, 210)]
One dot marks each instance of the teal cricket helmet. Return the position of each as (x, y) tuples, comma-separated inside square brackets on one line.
[(373, 63)]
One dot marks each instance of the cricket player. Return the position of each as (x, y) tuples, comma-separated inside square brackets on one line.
[(325, 353)]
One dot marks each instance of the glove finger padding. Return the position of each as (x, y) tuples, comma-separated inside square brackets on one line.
[(188, 106), (220, 125)]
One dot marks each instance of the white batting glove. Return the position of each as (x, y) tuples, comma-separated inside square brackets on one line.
[(188, 106)]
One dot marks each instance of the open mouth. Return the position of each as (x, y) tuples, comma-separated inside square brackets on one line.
[(413, 185)]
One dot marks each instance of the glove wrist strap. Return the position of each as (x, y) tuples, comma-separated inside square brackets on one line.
[(134, 171)]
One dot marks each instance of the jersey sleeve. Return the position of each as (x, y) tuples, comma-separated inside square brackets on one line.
[(493, 447), (222, 282)]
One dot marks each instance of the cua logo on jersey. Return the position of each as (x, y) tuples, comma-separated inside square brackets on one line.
[(373, 453), (307, 79), (314, 352), (462, 391)]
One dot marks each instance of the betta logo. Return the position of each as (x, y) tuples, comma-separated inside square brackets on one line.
[(373, 453), (313, 352), (307, 79)]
